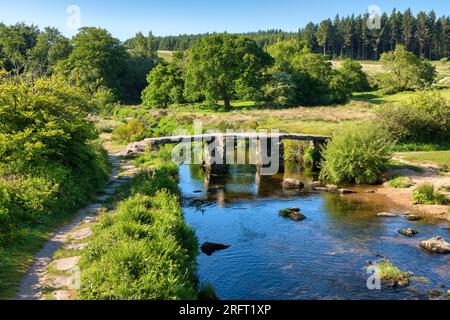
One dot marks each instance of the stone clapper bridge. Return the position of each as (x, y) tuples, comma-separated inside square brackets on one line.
[(219, 150)]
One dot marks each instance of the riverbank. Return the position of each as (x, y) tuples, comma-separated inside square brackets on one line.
[(420, 171)]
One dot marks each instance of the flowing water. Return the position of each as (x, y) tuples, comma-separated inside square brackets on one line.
[(322, 257)]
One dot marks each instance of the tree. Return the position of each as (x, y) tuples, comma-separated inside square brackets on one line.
[(354, 75), (165, 85), (97, 60), (324, 34), (422, 33), (142, 57), (409, 28), (51, 47), (221, 65), (15, 43), (405, 71)]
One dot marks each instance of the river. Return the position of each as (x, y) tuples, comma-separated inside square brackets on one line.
[(322, 257)]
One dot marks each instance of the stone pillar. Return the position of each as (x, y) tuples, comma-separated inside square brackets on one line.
[(215, 155), (266, 151), (317, 147)]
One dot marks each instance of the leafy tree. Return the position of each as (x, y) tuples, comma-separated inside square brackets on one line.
[(142, 58), (165, 85), (51, 47), (97, 60), (405, 71), (221, 65), (15, 43)]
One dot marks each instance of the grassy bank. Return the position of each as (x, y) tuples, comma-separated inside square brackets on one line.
[(34, 205), (439, 158), (143, 250)]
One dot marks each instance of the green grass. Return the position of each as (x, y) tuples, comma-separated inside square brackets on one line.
[(166, 55), (426, 193), (440, 158), (392, 274), (400, 183)]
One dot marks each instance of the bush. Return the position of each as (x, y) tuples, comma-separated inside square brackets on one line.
[(405, 71), (424, 118), (49, 166), (426, 194), (356, 154), (354, 75), (132, 131), (400, 183)]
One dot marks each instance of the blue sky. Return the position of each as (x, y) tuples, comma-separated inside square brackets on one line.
[(124, 18)]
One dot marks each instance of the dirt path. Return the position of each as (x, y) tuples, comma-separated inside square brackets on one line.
[(71, 235), (403, 197)]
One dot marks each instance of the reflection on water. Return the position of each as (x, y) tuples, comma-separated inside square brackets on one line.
[(322, 257)]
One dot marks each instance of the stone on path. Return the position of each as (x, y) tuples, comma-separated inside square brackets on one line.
[(63, 295), (66, 264), (58, 282), (77, 246), (292, 184), (81, 234), (103, 198)]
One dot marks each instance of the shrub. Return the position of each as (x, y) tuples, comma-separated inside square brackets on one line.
[(356, 153), (132, 131), (424, 118), (401, 183), (354, 75), (405, 71), (103, 100), (425, 193)]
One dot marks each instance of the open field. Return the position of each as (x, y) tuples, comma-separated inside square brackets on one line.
[(437, 158), (165, 55)]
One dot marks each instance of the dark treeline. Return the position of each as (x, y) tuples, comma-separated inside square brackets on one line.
[(425, 34)]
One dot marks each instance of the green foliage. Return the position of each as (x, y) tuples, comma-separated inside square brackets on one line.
[(221, 66), (392, 274), (49, 166), (103, 101), (300, 76), (426, 193), (400, 183), (97, 59), (165, 86), (405, 71), (143, 251), (132, 131), (357, 153), (424, 118), (354, 76)]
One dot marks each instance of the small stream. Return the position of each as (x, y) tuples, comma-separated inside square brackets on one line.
[(323, 257)]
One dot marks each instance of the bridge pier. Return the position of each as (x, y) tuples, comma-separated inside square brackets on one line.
[(214, 158), (266, 150)]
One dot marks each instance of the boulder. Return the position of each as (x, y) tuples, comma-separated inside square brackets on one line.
[(136, 147), (209, 248), (408, 232), (316, 184), (292, 184), (412, 217), (436, 245), (346, 191), (386, 215), (293, 214)]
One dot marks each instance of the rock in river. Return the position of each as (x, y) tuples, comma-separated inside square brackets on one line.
[(436, 245), (412, 217), (209, 248), (292, 184), (386, 215), (293, 214), (408, 232)]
